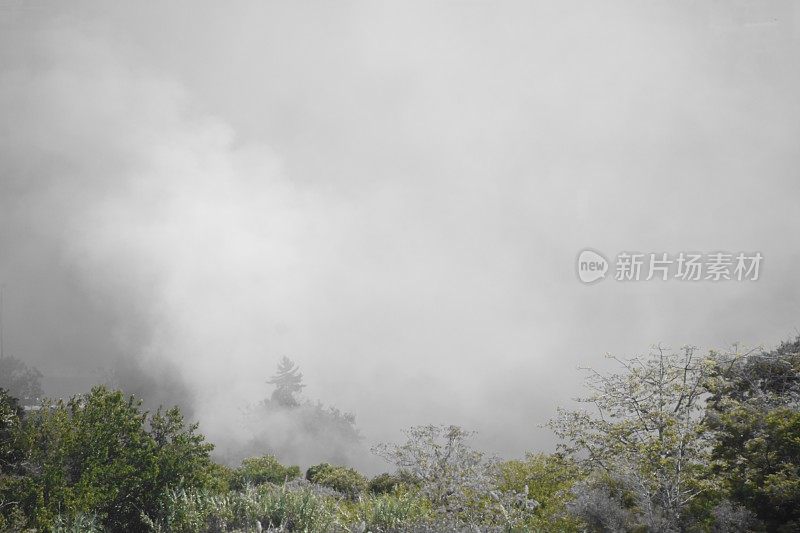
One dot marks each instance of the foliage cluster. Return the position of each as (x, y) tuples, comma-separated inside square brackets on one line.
[(260, 470), (97, 454), (347, 481)]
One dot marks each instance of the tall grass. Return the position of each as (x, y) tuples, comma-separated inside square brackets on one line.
[(81, 523), (267, 506), (306, 508), (386, 512)]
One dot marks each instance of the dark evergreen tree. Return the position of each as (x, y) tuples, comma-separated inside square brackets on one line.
[(288, 383)]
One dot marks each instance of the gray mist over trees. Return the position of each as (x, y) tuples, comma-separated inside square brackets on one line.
[(391, 195), (297, 429), (20, 380)]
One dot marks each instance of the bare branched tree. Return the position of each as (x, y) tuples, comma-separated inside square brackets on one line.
[(646, 429), (441, 461)]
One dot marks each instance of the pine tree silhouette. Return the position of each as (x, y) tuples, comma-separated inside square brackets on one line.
[(288, 383)]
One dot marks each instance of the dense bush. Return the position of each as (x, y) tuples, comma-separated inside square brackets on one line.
[(99, 454), (339, 478), (546, 480), (182, 454), (16, 491), (385, 483), (755, 421), (10, 416), (92, 453), (264, 469)]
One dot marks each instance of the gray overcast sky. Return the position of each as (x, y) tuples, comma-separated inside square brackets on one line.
[(392, 194)]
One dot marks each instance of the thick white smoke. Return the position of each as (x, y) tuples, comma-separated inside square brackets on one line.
[(393, 196)]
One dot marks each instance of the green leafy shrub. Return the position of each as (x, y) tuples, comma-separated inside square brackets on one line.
[(754, 419), (316, 470), (98, 454), (182, 455), (384, 483), (546, 480), (12, 519), (346, 480), (220, 477), (15, 491), (21, 501), (93, 454), (264, 469)]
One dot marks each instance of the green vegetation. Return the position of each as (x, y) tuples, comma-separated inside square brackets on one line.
[(298, 509), (385, 483), (99, 455), (754, 415), (260, 470), (673, 442), (546, 480), (339, 478)]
